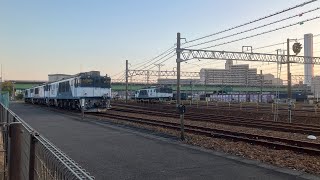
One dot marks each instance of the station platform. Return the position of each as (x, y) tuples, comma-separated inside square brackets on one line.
[(112, 151)]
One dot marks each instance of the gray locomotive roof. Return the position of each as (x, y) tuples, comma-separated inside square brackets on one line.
[(90, 73)]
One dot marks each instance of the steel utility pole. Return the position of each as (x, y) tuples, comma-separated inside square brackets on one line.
[(127, 81), (191, 84), (159, 69), (289, 79), (261, 84), (148, 76), (178, 51), (288, 70), (205, 85), (1, 82)]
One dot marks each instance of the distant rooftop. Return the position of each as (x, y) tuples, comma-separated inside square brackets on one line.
[(59, 75), (27, 81)]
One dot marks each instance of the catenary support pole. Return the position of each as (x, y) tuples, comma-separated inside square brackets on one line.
[(178, 51), (127, 81), (261, 84), (289, 79)]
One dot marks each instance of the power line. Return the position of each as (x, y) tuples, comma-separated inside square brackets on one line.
[(171, 48), (276, 44), (152, 65), (164, 60), (148, 61), (252, 29), (265, 32), (250, 22)]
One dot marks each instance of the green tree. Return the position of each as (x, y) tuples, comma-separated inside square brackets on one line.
[(19, 96), (7, 86)]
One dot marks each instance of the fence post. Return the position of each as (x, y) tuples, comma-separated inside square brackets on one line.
[(33, 142), (15, 151)]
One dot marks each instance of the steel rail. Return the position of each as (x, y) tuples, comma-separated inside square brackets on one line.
[(267, 141), (231, 120), (192, 110)]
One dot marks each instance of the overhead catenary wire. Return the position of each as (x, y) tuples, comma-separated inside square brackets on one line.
[(262, 33), (152, 65), (164, 60), (256, 20), (171, 49), (148, 61), (255, 28), (281, 43)]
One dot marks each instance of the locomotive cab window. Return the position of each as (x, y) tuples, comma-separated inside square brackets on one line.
[(86, 82), (76, 83), (36, 90), (105, 82), (165, 90)]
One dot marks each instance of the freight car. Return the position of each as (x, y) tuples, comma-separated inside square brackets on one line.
[(88, 90)]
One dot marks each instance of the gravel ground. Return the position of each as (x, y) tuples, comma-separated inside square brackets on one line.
[(282, 158)]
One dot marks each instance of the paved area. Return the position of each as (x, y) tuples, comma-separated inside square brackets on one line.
[(110, 151)]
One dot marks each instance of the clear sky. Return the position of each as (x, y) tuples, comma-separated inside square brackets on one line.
[(39, 37)]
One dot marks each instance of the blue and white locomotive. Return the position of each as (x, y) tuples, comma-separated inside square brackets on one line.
[(154, 93), (88, 90)]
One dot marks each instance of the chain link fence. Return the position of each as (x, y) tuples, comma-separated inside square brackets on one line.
[(28, 155), (4, 98)]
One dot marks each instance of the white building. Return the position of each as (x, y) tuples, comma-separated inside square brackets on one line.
[(308, 51), (315, 86), (236, 75)]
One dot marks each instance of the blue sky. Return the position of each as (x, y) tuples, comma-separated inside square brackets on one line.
[(39, 37)]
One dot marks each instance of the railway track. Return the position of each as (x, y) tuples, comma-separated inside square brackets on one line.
[(229, 120), (283, 111), (262, 109), (267, 141)]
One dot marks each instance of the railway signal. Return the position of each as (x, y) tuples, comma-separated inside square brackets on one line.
[(296, 47)]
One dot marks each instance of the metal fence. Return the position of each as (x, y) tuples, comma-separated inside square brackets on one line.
[(28, 155), (4, 98)]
